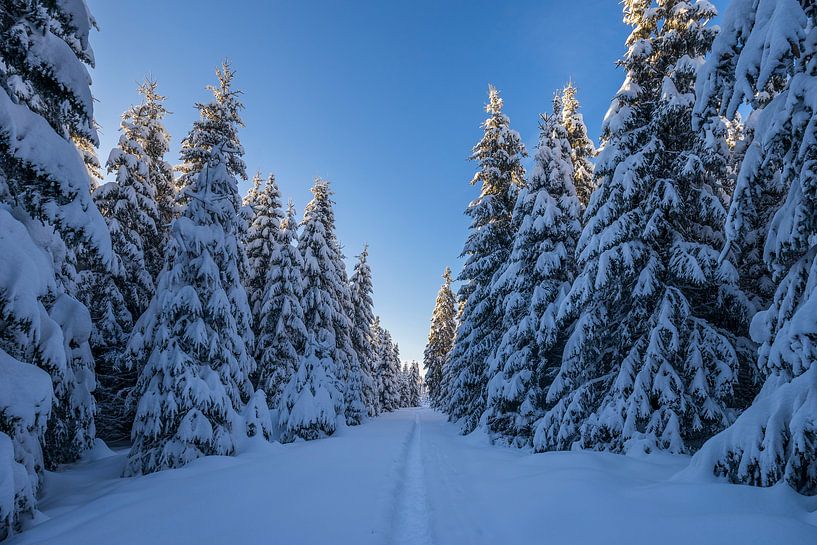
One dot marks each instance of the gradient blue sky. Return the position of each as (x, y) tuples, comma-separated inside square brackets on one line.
[(383, 98)]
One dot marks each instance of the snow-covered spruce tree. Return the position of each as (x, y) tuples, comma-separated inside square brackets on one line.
[(582, 150), (360, 285), (407, 386), (190, 345), (327, 297), (218, 122), (147, 122), (650, 363), (378, 335), (415, 383), (261, 239), (324, 316), (531, 286), (500, 174), (46, 106), (440, 339), (138, 208), (310, 402), (774, 44), (389, 372), (281, 332)]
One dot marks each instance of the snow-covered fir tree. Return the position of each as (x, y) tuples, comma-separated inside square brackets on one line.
[(138, 207), (327, 297), (582, 150), (45, 107), (649, 363), (219, 121), (767, 45), (440, 340), (190, 347), (147, 121), (404, 386), (261, 239), (389, 372), (377, 336), (281, 333), (310, 402), (324, 315), (415, 384), (531, 286), (48, 223), (361, 289), (499, 154)]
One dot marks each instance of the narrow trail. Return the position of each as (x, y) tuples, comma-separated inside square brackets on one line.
[(411, 522)]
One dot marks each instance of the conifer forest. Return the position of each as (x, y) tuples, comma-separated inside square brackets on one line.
[(624, 351)]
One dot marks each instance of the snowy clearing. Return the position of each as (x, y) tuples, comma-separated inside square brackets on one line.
[(407, 478)]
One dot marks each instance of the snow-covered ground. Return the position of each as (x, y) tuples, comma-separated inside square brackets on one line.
[(407, 478)]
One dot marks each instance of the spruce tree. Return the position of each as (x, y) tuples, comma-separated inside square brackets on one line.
[(324, 315), (531, 286), (405, 386), (440, 339), (765, 56), (188, 347), (389, 372), (310, 402), (378, 335), (499, 154), (650, 363), (261, 239), (218, 122), (282, 334), (45, 108), (582, 150), (147, 119), (327, 298), (415, 384), (360, 285)]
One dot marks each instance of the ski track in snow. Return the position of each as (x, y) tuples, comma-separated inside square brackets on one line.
[(411, 518)]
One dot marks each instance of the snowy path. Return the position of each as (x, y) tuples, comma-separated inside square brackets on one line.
[(411, 524), (408, 478)]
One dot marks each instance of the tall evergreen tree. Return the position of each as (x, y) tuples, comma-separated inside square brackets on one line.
[(415, 383), (440, 340), (362, 319), (582, 150), (45, 107), (765, 54), (282, 334), (532, 284), (262, 239), (326, 322), (327, 298), (499, 153), (650, 362), (377, 335), (147, 120), (218, 122), (389, 372), (137, 208), (190, 345)]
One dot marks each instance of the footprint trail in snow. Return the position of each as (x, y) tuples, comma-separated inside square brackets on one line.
[(411, 524)]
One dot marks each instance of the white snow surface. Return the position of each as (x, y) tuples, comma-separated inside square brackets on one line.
[(408, 478)]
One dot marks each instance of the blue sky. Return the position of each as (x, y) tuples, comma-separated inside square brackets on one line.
[(383, 98)]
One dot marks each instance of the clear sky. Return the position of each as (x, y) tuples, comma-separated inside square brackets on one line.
[(383, 98)]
